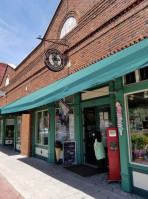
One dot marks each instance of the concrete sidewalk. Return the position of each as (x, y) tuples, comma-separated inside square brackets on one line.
[(34, 179)]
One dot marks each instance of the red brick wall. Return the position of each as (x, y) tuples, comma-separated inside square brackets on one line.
[(104, 28), (26, 137)]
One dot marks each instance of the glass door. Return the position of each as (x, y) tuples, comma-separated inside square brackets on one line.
[(9, 132)]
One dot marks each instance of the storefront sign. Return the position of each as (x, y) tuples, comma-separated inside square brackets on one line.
[(119, 117), (70, 152), (54, 60)]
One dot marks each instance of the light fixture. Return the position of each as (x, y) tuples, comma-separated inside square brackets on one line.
[(68, 64), (145, 94)]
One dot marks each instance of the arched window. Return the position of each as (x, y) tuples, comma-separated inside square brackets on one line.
[(69, 24), (7, 81)]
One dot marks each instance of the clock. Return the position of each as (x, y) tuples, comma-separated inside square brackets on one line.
[(54, 60)]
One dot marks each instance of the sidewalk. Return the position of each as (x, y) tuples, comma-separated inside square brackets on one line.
[(36, 179), (7, 191)]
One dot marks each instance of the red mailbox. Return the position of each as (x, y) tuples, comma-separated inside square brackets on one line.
[(113, 154)]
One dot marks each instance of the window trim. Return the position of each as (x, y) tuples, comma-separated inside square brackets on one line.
[(64, 22), (127, 128)]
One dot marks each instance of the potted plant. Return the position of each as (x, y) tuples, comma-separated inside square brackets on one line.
[(138, 144), (58, 148)]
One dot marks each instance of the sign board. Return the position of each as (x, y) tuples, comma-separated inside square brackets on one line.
[(69, 150)]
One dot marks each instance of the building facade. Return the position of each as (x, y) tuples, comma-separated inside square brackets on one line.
[(94, 56)]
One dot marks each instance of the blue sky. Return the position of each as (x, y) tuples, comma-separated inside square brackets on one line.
[(21, 21)]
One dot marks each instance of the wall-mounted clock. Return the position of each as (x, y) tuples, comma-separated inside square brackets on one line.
[(54, 60)]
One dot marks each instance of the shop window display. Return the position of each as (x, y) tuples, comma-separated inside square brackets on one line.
[(138, 126), (42, 126), (64, 126), (19, 128), (9, 129)]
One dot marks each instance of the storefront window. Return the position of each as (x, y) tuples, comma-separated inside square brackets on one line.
[(1, 130), (42, 126), (19, 128), (144, 73), (129, 78), (65, 126), (9, 128), (138, 126)]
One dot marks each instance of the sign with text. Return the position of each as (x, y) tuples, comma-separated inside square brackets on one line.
[(69, 152)]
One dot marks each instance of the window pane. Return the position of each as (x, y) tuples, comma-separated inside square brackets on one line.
[(69, 99), (39, 128), (138, 126), (45, 127), (130, 78), (19, 128), (42, 126), (144, 73), (9, 128), (1, 129), (65, 126)]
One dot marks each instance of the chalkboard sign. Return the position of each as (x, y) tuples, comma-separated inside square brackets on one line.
[(70, 152)]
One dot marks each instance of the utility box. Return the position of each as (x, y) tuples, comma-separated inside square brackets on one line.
[(113, 154)]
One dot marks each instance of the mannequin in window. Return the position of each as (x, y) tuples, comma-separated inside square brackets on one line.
[(100, 153)]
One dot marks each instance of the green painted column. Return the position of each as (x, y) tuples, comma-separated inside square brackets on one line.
[(51, 135), (15, 131), (126, 182), (112, 104), (78, 128), (3, 133)]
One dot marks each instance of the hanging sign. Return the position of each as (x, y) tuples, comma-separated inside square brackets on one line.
[(119, 117), (54, 60)]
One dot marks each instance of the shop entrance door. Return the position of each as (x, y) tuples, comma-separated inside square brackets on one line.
[(95, 119), (9, 132)]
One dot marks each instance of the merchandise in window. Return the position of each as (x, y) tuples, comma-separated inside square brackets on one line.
[(1, 129), (138, 126), (64, 126), (19, 129), (42, 126)]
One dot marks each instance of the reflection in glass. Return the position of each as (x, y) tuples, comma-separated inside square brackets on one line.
[(42, 126), (138, 127), (64, 126), (19, 128)]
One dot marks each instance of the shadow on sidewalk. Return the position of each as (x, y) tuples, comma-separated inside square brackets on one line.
[(92, 185), (8, 150)]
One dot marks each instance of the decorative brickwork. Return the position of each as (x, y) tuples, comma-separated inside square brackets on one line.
[(104, 28)]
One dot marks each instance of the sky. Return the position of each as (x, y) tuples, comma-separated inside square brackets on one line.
[(21, 22)]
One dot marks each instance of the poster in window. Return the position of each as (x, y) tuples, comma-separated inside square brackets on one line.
[(69, 152)]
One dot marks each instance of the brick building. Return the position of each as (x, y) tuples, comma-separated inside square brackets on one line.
[(94, 57)]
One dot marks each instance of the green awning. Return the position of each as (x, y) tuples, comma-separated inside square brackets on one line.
[(119, 64)]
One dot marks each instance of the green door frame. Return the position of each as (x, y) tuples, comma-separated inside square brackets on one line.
[(4, 127)]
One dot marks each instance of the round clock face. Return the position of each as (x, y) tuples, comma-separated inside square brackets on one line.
[(54, 60)]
